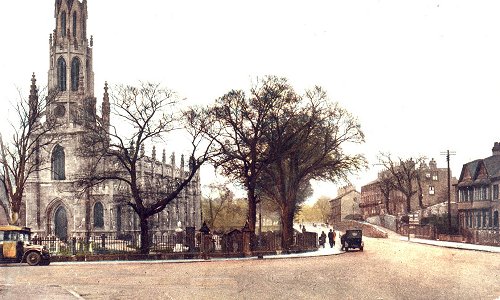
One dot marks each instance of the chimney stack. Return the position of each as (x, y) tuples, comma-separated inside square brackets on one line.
[(496, 148)]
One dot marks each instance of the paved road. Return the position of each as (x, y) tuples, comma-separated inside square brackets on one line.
[(387, 269)]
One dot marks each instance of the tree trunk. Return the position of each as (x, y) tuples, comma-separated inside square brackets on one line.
[(408, 204), (252, 210), (286, 228), (15, 209), (144, 235), (14, 218)]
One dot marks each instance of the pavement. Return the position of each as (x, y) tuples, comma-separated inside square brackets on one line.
[(455, 245)]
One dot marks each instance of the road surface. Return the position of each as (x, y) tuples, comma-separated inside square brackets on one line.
[(387, 269)]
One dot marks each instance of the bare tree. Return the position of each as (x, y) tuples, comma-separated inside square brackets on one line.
[(307, 142), (242, 123), (386, 185), (218, 199), (145, 114), (405, 176), (19, 156)]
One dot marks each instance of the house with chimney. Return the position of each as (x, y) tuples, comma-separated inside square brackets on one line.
[(478, 199)]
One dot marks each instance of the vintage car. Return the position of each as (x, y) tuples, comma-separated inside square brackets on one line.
[(16, 246), (351, 239)]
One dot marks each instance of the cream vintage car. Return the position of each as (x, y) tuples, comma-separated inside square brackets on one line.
[(16, 246)]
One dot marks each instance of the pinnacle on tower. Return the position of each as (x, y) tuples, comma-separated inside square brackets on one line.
[(33, 98)]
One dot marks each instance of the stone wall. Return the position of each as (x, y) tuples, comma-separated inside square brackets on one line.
[(386, 221), (367, 228)]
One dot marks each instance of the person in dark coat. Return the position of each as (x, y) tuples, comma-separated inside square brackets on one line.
[(322, 239), (331, 238)]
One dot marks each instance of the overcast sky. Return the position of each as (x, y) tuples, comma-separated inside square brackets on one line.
[(421, 76)]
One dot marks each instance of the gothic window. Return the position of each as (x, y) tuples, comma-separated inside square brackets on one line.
[(61, 74), (58, 163), (74, 24), (61, 223), (75, 73), (98, 215), (63, 23)]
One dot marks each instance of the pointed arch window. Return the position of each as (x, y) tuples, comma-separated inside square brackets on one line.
[(98, 215), (63, 23), (75, 73), (61, 74), (61, 223), (74, 24), (58, 163)]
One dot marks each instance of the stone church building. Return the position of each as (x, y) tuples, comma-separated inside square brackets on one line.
[(53, 204)]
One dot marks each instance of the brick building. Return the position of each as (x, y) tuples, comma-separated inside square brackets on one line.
[(52, 202), (434, 184), (478, 199), (346, 204)]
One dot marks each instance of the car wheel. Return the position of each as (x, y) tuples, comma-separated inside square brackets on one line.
[(361, 248), (33, 258), (346, 247), (45, 262)]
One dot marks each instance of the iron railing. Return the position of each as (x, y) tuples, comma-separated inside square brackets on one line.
[(172, 242)]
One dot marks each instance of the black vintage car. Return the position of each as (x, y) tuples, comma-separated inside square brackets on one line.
[(352, 239)]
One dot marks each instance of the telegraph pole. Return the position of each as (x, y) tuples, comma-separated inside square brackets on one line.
[(448, 153)]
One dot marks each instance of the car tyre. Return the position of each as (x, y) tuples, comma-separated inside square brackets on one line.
[(33, 258), (361, 248), (45, 262)]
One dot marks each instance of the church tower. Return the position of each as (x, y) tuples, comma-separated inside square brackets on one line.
[(53, 204), (70, 76)]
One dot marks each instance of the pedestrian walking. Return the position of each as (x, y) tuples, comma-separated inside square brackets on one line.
[(322, 239), (331, 238)]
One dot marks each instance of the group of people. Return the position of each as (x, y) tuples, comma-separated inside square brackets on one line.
[(331, 238)]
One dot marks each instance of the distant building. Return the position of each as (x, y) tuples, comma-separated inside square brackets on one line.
[(478, 199), (345, 205), (434, 184)]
